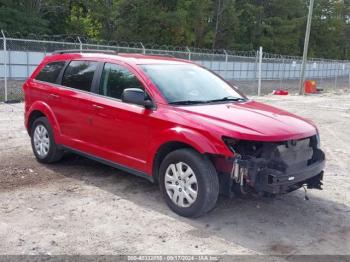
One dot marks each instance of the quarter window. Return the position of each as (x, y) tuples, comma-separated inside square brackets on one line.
[(50, 72), (115, 79), (79, 75)]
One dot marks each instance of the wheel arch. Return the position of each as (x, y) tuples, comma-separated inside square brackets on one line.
[(182, 137), (41, 109), (163, 151), (35, 114)]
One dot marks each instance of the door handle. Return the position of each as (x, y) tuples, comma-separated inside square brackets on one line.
[(54, 96), (97, 107)]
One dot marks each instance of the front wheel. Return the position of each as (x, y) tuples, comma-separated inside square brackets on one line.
[(189, 183)]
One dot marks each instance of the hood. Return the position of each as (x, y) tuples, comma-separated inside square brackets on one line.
[(250, 121)]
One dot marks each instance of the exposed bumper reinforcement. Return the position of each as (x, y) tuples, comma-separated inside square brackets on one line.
[(275, 182)]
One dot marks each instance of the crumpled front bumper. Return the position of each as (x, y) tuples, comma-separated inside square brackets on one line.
[(275, 182), (265, 179)]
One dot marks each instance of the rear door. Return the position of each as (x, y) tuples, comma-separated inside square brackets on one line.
[(73, 108)]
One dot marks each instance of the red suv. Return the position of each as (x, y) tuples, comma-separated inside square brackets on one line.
[(170, 121)]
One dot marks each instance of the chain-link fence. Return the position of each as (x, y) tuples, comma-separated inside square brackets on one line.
[(2, 70), (20, 56)]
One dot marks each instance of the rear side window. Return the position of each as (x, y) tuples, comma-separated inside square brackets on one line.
[(50, 72), (115, 79), (79, 75)]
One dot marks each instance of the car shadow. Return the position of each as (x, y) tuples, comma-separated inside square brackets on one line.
[(287, 224)]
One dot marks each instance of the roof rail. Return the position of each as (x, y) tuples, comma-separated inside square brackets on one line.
[(111, 52), (142, 55)]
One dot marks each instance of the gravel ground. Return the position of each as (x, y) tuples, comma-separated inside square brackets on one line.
[(79, 206)]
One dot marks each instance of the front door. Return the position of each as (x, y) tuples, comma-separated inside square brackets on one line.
[(123, 129)]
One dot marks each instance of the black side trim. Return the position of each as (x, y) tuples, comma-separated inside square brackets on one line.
[(95, 86), (110, 163), (60, 76)]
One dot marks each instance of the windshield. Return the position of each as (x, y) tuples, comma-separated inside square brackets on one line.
[(190, 84)]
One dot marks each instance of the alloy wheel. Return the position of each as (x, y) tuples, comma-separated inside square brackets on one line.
[(41, 141)]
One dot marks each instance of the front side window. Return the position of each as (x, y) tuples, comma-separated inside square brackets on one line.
[(190, 84), (79, 75), (50, 72), (115, 79)]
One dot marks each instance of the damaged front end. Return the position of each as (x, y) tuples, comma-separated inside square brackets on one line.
[(271, 168)]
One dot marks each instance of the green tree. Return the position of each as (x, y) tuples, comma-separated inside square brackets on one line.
[(277, 25), (330, 30), (226, 24), (151, 21), (23, 17), (81, 21)]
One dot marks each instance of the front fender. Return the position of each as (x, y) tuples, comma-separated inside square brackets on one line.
[(200, 142), (49, 114)]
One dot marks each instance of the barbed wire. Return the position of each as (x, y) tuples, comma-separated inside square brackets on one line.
[(77, 40)]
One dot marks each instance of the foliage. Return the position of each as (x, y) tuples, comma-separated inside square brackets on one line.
[(277, 25)]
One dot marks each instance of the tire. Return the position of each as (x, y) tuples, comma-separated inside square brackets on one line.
[(206, 185), (48, 152)]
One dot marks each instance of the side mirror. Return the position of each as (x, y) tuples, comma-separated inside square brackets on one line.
[(136, 96)]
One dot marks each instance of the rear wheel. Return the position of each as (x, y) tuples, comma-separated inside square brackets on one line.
[(43, 142), (189, 183)]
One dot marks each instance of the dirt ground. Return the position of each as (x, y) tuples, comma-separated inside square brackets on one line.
[(79, 206)]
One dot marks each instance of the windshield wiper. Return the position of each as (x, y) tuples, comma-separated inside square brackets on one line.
[(188, 102), (194, 102), (227, 98)]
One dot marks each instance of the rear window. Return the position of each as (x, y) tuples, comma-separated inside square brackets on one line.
[(79, 75), (50, 72)]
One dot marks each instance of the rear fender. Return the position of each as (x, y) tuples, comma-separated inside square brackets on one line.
[(47, 111)]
